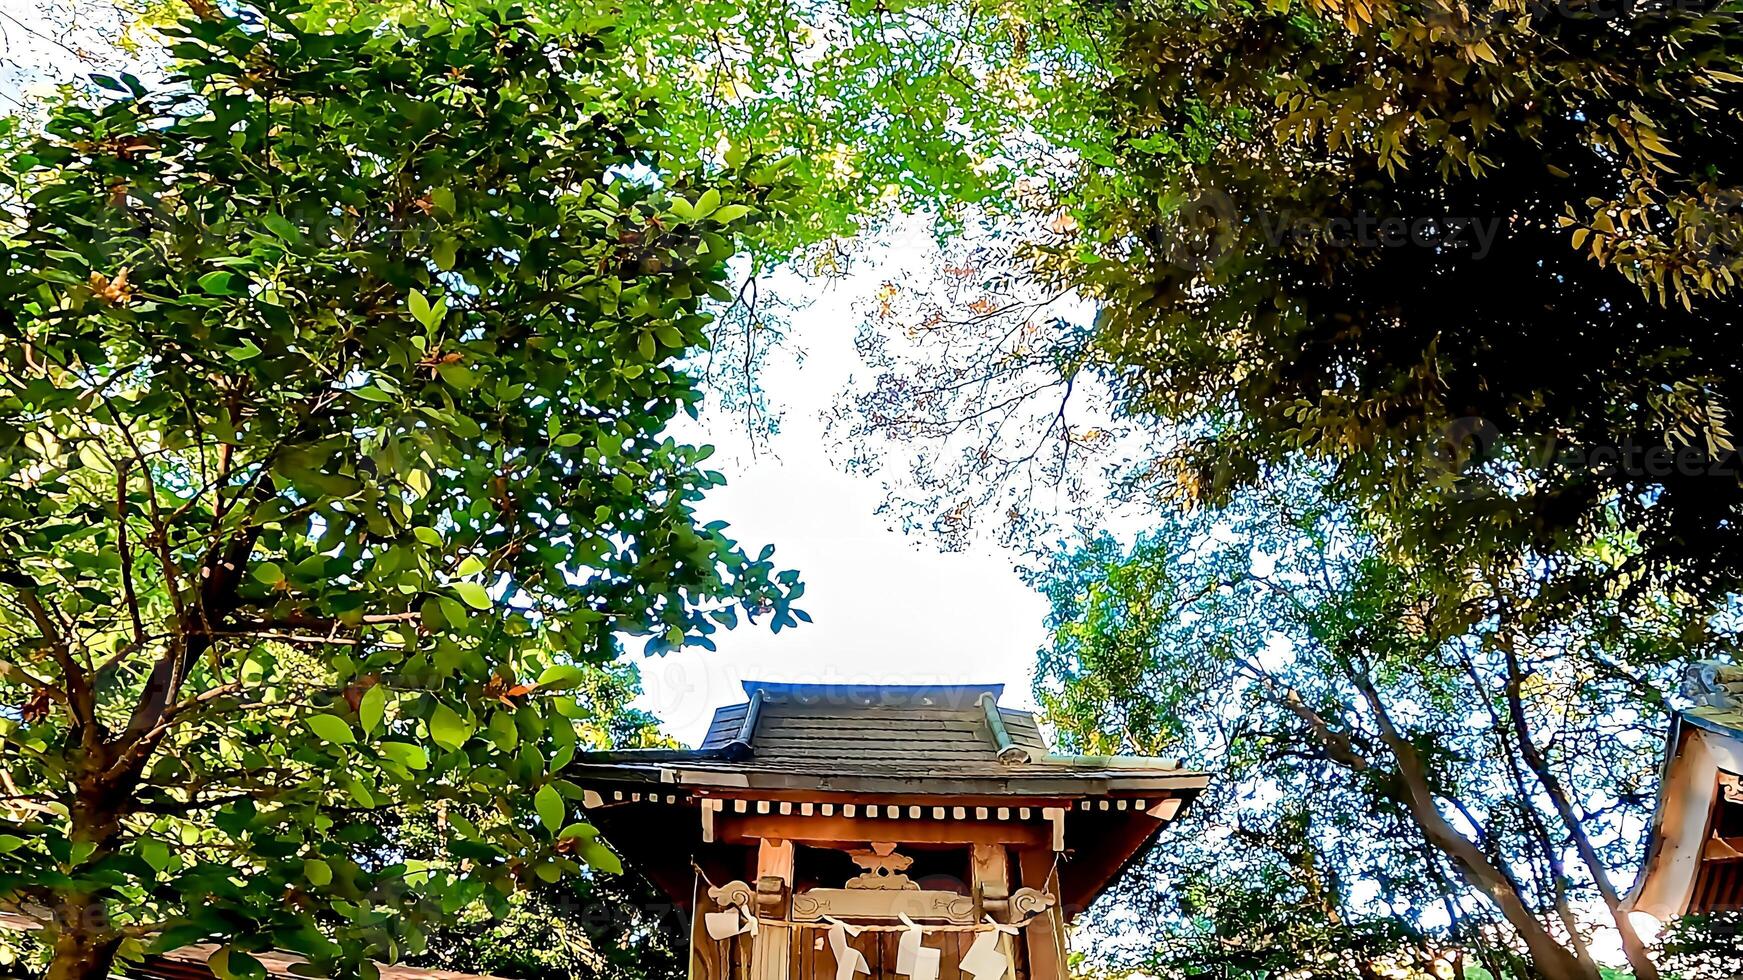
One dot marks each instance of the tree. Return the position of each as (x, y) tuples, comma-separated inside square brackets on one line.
[(1464, 268), (1474, 259), (333, 377), (1474, 774), (591, 926)]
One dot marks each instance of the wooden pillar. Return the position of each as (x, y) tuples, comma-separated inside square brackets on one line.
[(704, 956), (772, 951), (992, 885), (1045, 939)]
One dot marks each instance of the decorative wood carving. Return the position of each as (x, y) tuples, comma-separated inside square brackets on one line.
[(1731, 787), (882, 865), (889, 906), (1026, 903), (733, 894)]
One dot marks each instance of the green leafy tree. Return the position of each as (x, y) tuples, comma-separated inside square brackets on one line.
[(333, 376), (1476, 260), (591, 926), (1449, 782)]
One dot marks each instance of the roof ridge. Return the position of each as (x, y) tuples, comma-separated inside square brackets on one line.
[(958, 696)]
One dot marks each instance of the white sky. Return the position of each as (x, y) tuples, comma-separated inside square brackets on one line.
[(886, 608)]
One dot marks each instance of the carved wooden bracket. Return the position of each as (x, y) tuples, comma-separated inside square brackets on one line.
[(882, 865), (733, 894), (1027, 903), (1731, 787)]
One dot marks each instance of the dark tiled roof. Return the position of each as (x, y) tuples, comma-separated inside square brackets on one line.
[(798, 726), (896, 739)]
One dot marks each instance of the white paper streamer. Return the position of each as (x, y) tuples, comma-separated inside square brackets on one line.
[(927, 963), (722, 925), (725, 925), (984, 960), (848, 960), (908, 950)]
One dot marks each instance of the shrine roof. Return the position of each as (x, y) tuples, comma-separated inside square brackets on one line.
[(906, 740)]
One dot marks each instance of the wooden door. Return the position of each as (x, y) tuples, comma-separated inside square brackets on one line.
[(814, 960)]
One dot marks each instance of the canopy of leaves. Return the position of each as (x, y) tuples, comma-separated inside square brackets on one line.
[(1474, 259), (590, 926), (333, 377), (935, 106), (1359, 737), (1478, 258)]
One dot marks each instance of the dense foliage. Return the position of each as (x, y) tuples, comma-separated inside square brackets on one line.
[(591, 926), (1477, 259), (333, 376), (1467, 272), (1399, 791)]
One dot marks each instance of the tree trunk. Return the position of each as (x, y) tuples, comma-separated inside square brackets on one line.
[(84, 944), (1550, 957), (1638, 958)]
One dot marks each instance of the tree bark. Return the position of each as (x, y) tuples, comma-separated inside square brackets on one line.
[(1550, 957), (84, 944), (1632, 946)]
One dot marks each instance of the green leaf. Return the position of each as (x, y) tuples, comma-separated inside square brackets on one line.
[(331, 728), (444, 252), (458, 376), (268, 573), (600, 857), (217, 283), (372, 393), (405, 754), (469, 566), (503, 731), (371, 707), (419, 306), (473, 594), (317, 871), (448, 729), (549, 804), (281, 227), (706, 204), (10, 843), (730, 213), (559, 676)]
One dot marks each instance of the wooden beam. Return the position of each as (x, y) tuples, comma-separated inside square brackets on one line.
[(709, 809), (773, 947), (733, 828), (992, 886), (1045, 940), (1057, 816)]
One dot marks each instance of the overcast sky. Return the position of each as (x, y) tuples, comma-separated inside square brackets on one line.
[(887, 608)]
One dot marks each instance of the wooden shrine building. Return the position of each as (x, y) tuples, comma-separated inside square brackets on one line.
[(870, 832), (1694, 858)]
